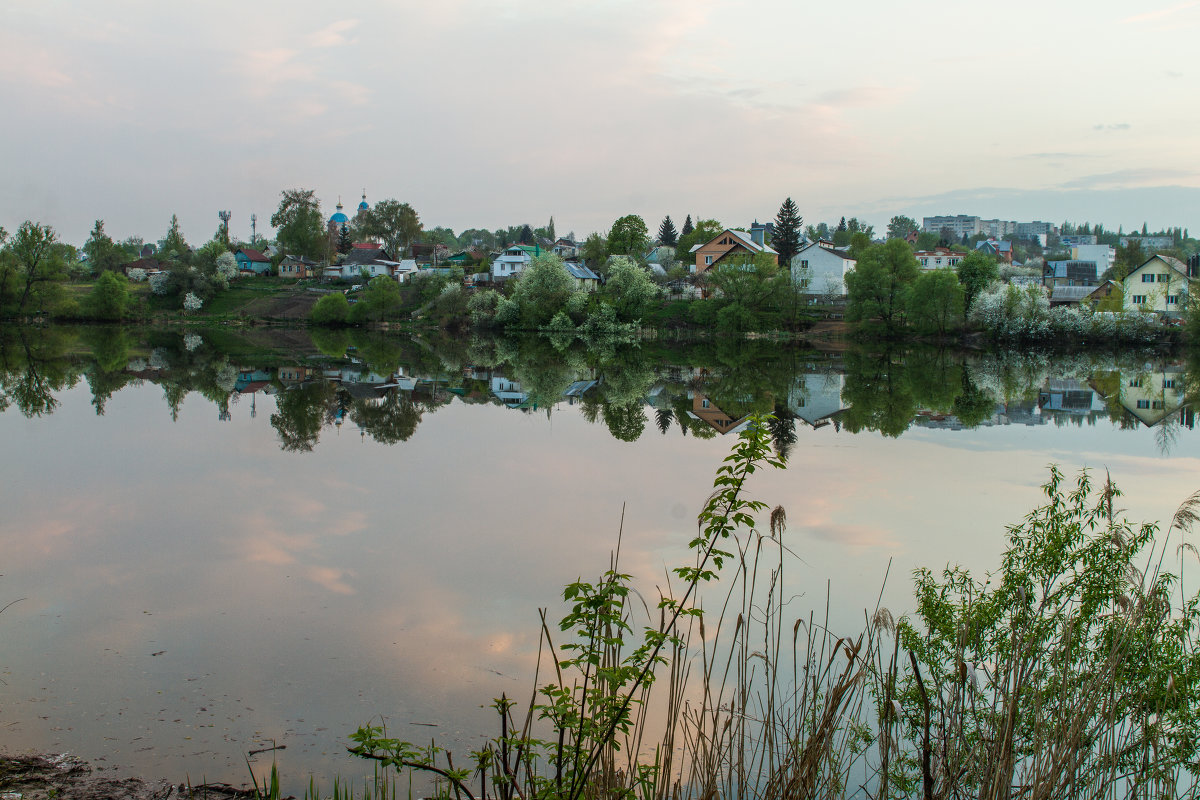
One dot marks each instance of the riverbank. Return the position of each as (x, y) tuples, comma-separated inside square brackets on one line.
[(64, 777)]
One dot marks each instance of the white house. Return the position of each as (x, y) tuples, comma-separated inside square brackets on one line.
[(820, 268), (511, 262), (1161, 284), (1103, 254), (938, 258)]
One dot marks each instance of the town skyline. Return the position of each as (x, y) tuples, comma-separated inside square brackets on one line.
[(481, 115)]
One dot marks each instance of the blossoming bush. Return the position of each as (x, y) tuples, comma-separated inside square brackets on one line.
[(191, 302), (137, 275), (1011, 313), (160, 283)]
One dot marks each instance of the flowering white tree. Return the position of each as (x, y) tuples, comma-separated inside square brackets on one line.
[(191, 302), (137, 274), (191, 341), (160, 283), (227, 266)]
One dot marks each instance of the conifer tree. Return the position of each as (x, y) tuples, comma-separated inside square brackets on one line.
[(786, 240), (687, 226), (526, 236), (666, 232), (344, 244)]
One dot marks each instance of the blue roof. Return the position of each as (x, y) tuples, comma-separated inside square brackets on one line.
[(339, 218), (363, 206)]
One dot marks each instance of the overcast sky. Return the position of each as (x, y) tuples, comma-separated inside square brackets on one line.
[(486, 114)]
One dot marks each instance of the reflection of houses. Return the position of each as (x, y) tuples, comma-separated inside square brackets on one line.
[(1069, 398), (292, 375), (816, 397), (1019, 412), (508, 391), (1153, 396), (707, 412)]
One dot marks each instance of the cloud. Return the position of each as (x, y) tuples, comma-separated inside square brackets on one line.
[(1055, 156), (1151, 16), (1144, 176), (333, 35), (860, 97), (1119, 126)]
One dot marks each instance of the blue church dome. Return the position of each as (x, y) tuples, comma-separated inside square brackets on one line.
[(338, 217), (363, 205)]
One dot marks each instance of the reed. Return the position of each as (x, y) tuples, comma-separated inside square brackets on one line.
[(1071, 672)]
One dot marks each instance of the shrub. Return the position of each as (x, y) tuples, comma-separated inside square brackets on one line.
[(331, 310)]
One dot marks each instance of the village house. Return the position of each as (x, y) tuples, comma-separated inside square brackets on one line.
[(565, 249), (820, 269), (1160, 285), (252, 262), (297, 267), (938, 258), (371, 259), (514, 259), (1000, 250), (584, 278), (726, 244)]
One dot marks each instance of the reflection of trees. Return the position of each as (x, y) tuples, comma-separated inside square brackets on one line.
[(626, 421), (783, 429), (663, 417), (110, 349), (300, 412), (878, 394), (973, 405), (33, 366), (390, 420)]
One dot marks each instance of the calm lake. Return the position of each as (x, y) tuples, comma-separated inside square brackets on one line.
[(220, 542)]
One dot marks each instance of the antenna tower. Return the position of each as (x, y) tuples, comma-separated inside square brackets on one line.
[(253, 226), (225, 215)]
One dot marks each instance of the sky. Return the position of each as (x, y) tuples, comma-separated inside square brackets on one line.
[(489, 114)]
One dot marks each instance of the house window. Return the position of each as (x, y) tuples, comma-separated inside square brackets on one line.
[(804, 264), (1147, 277), (708, 260), (1172, 299), (1139, 299), (1143, 403), (1163, 277), (1169, 383), (1135, 382)]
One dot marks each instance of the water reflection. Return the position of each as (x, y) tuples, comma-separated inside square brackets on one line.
[(348, 524), (383, 385)]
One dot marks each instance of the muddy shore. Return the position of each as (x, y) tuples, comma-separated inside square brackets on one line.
[(64, 777)]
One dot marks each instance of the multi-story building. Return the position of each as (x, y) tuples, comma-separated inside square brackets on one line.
[(1150, 244), (1029, 230)]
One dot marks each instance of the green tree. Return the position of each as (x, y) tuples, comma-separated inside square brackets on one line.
[(299, 225), (103, 254), (395, 224), (753, 282), (629, 289), (544, 287), (378, 302), (344, 243), (109, 298), (173, 246), (687, 226), (1129, 257), (877, 288), (786, 240), (901, 226), (936, 302), (667, 234), (704, 231), (976, 272), (33, 264), (331, 310), (594, 251), (629, 237)]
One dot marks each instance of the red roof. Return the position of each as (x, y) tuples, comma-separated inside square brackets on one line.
[(253, 255)]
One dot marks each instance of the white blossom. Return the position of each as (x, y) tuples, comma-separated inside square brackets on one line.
[(192, 340), (191, 302), (159, 282), (137, 274)]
